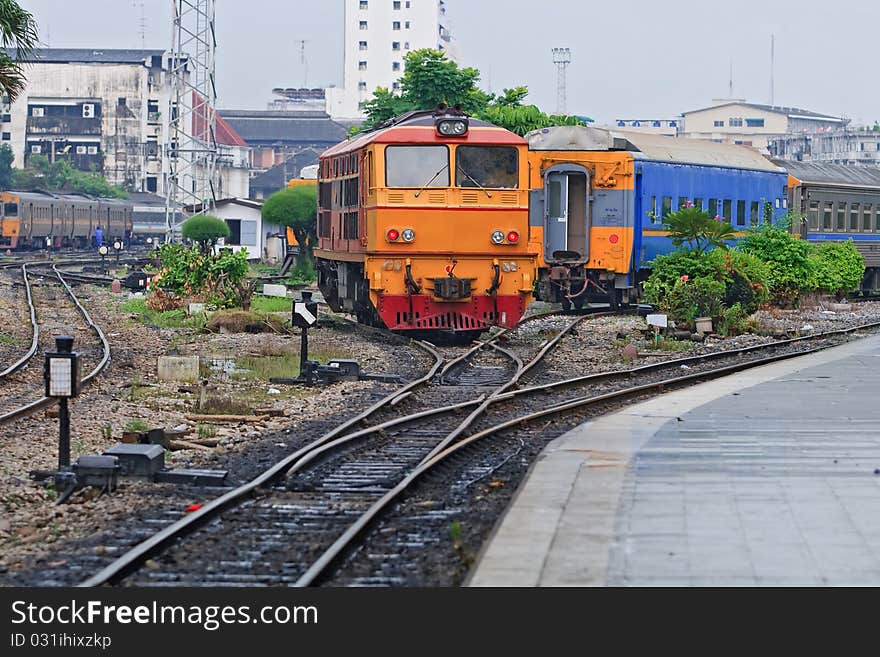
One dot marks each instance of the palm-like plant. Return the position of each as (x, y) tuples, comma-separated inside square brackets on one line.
[(697, 231), (18, 33)]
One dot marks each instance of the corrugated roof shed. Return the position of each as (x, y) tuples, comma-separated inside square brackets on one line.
[(832, 174), (788, 111), (268, 126), (647, 146)]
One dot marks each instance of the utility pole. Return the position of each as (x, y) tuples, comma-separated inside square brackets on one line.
[(191, 149), (772, 65), (304, 60), (562, 58)]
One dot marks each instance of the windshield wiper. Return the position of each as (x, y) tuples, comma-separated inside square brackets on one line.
[(471, 178), (433, 178)]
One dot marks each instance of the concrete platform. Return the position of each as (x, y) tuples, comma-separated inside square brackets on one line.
[(762, 478)]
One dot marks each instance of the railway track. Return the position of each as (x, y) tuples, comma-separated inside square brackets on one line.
[(27, 400), (296, 522), (343, 471), (35, 330)]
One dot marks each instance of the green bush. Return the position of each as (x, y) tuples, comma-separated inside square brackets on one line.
[(790, 271), (205, 230), (692, 298), (838, 267), (744, 277), (746, 281), (668, 269), (215, 278)]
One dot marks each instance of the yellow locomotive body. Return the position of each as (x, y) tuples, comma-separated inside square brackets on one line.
[(423, 225)]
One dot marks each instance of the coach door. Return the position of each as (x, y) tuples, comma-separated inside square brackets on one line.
[(566, 221)]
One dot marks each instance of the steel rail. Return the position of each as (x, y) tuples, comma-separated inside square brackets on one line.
[(34, 406), (35, 329), (132, 559), (318, 568), (297, 460)]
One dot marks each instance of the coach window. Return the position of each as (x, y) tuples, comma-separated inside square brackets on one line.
[(487, 166), (683, 202), (667, 207), (840, 224), (740, 213), (698, 203), (813, 215), (728, 210), (827, 211), (713, 207), (753, 214), (854, 217), (417, 166)]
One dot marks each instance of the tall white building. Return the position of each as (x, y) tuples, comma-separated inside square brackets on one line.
[(378, 34)]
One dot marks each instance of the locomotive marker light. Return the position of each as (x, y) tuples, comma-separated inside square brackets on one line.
[(61, 374), (408, 235)]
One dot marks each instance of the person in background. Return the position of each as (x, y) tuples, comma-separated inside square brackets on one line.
[(99, 237)]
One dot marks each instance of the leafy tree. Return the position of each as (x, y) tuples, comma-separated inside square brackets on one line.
[(62, 176), (694, 228), (205, 230), (431, 79), (6, 157), (296, 207), (838, 267), (18, 31)]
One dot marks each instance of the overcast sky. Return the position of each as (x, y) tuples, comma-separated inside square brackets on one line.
[(634, 59)]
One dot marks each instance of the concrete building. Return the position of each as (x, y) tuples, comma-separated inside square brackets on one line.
[(275, 137), (378, 34), (233, 162), (859, 147), (99, 109), (107, 110), (739, 122), (248, 232)]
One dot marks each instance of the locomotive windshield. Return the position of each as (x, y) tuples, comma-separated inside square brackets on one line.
[(10, 209), (486, 166), (417, 166)]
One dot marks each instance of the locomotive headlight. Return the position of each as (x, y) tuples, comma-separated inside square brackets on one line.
[(452, 128), (408, 234), (498, 237)]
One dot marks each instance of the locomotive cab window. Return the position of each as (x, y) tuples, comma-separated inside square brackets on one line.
[(487, 166), (417, 166), (10, 209)]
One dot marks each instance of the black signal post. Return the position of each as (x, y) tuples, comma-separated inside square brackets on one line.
[(61, 374), (305, 314)]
